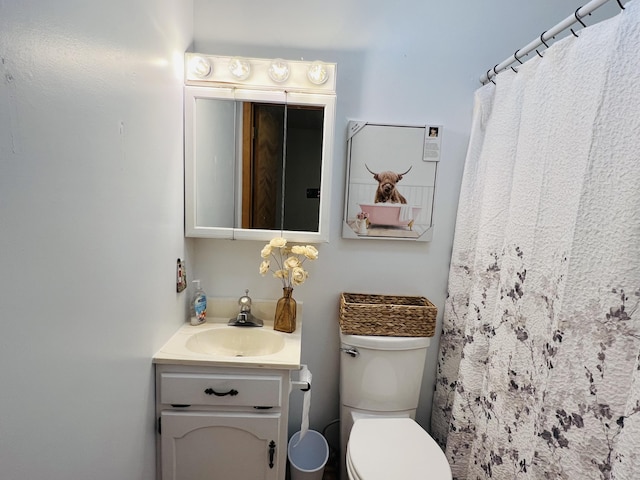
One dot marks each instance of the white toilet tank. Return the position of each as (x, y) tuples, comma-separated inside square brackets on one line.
[(381, 374), (379, 377)]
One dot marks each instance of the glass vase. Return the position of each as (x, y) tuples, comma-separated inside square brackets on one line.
[(285, 319)]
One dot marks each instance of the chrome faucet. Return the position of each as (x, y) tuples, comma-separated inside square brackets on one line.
[(245, 318)]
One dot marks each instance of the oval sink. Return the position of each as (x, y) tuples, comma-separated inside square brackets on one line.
[(236, 342)]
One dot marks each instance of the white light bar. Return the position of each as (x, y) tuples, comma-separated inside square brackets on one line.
[(277, 74)]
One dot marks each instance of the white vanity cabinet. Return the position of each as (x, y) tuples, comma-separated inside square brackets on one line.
[(221, 422)]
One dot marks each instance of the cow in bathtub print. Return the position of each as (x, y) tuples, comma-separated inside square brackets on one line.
[(387, 192)]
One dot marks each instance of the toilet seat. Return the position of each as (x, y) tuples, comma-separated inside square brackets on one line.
[(384, 448)]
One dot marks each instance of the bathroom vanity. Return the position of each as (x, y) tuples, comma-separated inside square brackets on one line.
[(222, 397)]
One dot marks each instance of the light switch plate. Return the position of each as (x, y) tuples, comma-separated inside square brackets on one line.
[(181, 276)]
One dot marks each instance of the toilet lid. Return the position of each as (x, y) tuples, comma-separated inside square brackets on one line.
[(384, 448)]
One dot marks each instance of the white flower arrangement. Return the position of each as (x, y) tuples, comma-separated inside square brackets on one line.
[(288, 261)]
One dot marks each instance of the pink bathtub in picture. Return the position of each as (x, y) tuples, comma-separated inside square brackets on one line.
[(391, 214)]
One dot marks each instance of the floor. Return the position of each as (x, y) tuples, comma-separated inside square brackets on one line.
[(332, 468)]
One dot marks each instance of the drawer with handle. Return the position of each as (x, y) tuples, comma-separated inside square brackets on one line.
[(186, 389)]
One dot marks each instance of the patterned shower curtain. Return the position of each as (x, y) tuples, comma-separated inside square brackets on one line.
[(539, 366)]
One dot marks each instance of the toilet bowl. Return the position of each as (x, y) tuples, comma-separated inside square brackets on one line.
[(380, 381), (386, 448)]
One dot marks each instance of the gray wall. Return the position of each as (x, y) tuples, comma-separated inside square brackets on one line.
[(91, 225), (91, 196), (412, 62)]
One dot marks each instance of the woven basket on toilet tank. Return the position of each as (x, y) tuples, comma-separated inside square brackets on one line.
[(387, 315)]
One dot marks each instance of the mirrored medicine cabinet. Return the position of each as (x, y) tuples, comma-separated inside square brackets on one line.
[(258, 148)]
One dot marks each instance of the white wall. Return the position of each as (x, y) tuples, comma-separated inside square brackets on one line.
[(414, 62), (91, 225), (91, 196)]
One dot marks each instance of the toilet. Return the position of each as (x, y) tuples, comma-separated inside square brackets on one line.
[(380, 381)]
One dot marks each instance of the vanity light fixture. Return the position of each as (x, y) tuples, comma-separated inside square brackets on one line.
[(199, 66), (317, 73), (204, 70), (240, 68), (279, 70)]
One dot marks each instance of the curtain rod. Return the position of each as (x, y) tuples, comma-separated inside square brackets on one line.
[(546, 35)]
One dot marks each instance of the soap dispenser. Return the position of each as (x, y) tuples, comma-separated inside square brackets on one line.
[(198, 305)]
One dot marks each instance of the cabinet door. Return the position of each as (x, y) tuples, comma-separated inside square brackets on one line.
[(229, 446)]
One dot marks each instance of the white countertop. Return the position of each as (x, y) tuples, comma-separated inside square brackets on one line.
[(176, 352)]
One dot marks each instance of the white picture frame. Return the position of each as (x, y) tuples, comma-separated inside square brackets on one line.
[(391, 179)]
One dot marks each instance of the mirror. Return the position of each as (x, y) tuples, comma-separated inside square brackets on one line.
[(257, 160)]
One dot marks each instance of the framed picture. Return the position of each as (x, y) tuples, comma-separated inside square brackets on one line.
[(391, 181)]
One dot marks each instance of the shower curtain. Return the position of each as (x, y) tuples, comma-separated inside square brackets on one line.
[(539, 366)]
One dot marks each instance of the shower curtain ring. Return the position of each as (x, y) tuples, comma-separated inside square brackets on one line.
[(543, 42), (542, 39), (575, 14), (515, 55), (489, 79), (577, 17)]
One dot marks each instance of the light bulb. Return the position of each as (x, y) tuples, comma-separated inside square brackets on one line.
[(279, 70), (240, 68), (200, 67), (317, 73)]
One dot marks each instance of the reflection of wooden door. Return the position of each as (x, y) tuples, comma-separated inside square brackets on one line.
[(262, 165)]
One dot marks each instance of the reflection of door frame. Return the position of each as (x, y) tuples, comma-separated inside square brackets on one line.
[(247, 155)]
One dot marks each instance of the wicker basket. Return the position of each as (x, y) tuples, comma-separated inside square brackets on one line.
[(387, 315)]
